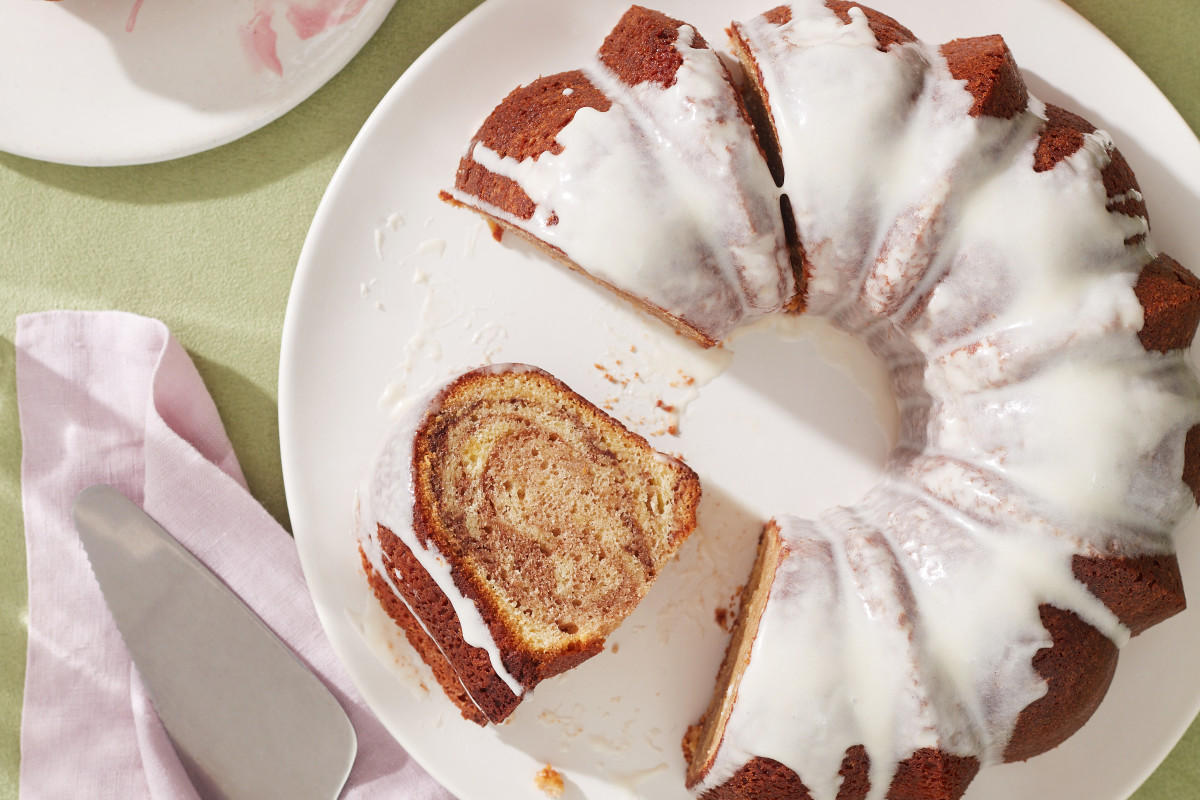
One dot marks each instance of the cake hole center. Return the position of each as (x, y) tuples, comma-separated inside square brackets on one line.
[(815, 418)]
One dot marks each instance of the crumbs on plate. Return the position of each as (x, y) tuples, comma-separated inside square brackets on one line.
[(550, 781)]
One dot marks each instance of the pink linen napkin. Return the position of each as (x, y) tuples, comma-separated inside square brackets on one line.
[(110, 397)]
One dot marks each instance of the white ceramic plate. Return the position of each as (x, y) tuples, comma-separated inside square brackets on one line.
[(113, 82), (395, 290)]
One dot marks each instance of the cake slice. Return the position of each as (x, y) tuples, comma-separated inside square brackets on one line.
[(509, 526), (642, 171)]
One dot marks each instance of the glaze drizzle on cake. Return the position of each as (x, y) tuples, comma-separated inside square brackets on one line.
[(641, 170)]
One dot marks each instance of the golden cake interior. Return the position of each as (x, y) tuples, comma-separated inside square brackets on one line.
[(569, 515), (703, 738)]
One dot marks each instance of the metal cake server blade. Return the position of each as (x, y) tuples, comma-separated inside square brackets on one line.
[(247, 718)]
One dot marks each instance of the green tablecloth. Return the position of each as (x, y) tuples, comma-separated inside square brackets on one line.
[(208, 244)]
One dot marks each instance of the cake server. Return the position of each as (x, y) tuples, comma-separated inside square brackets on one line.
[(247, 718)]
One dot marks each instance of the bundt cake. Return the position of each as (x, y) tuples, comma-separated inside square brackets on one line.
[(509, 526), (992, 252), (564, 163)]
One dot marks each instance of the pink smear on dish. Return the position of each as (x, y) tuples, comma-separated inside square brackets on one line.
[(259, 42), (260, 39), (326, 14), (133, 13)]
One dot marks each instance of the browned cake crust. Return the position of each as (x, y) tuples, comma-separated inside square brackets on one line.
[(1061, 137), (930, 774), (992, 77), (1077, 668), (426, 647), (855, 773), (471, 666), (1170, 298), (1141, 590), (763, 778), (642, 48)]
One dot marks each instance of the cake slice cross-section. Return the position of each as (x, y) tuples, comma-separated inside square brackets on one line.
[(509, 526)]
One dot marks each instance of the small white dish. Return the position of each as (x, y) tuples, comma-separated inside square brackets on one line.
[(115, 82)]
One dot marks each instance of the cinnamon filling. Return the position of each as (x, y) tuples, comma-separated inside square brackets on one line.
[(565, 523)]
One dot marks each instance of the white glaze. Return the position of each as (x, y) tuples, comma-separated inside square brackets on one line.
[(677, 173), (911, 619), (387, 499)]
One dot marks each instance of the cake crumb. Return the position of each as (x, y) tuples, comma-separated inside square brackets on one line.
[(722, 617), (725, 616), (550, 781)]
